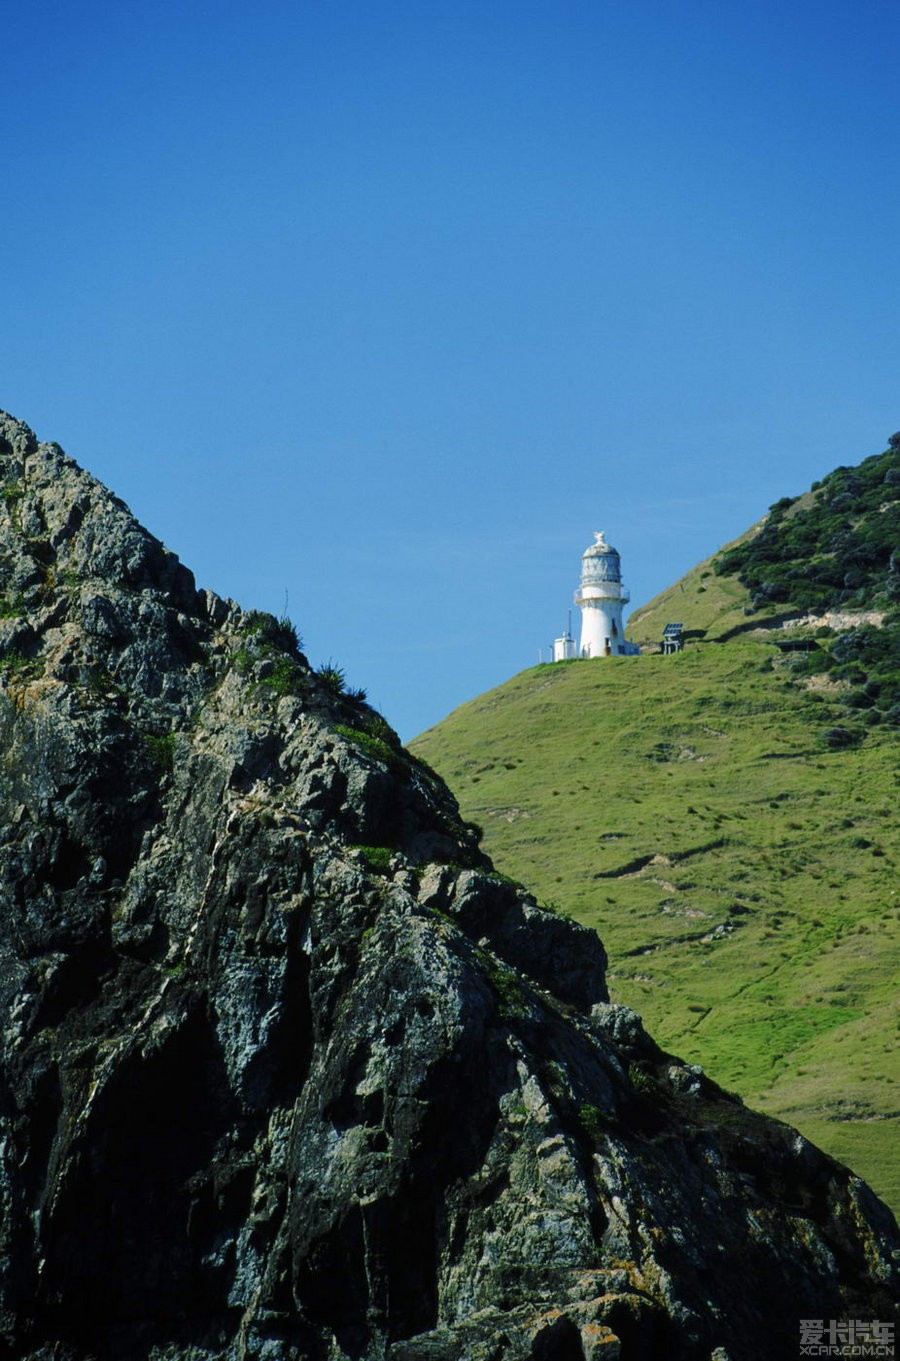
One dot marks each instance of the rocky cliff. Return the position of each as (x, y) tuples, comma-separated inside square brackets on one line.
[(289, 1072)]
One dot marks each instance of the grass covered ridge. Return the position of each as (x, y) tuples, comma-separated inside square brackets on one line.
[(741, 872)]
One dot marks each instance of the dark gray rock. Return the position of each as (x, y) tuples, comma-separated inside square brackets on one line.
[(288, 1071)]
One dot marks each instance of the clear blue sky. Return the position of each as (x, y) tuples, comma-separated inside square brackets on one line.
[(390, 305)]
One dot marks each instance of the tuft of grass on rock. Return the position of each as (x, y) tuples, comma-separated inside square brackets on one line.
[(16, 666), (378, 858), (12, 606), (161, 749), (372, 746), (332, 677)]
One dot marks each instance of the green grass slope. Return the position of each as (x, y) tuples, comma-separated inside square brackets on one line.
[(741, 872), (707, 604)]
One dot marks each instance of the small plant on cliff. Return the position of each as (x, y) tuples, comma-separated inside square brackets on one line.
[(378, 727), (15, 665), (287, 678), (271, 644), (641, 1081), (11, 494), (373, 746), (288, 631), (512, 1001), (278, 634), (334, 680), (499, 878), (378, 858), (242, 659), (590, 1118), (12, 606), (332, 677), (161, 749)]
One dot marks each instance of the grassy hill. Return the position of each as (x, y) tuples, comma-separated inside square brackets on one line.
[(708, 605), (738, 860)]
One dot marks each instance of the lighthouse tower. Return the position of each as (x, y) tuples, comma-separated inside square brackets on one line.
[(600, 598)]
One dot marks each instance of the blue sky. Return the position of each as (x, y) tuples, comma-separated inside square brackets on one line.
[(388, 306)]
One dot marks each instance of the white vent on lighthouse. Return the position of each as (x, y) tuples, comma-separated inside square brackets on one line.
[(564, 649)]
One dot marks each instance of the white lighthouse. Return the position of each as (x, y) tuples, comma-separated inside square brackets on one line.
[(600, 598)]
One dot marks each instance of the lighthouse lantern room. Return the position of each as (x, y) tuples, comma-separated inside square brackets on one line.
[(600, 597)]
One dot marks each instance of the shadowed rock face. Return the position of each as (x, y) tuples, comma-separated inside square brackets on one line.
[(288, 1071)]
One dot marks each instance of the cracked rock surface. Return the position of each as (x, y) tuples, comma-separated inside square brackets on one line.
[(289, 1073)]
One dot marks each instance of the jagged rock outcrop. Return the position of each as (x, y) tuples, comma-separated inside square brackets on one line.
[(288, 1071)]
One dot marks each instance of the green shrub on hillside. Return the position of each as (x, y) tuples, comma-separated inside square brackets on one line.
[(378, 858), (275, 642), (279, 634), (287, 678), (840, 737), (12, 606), (161, 749), (373, 746), (16, 666), (841, 552), (332, 677)]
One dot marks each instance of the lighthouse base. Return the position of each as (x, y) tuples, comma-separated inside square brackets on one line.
[(602, 633)]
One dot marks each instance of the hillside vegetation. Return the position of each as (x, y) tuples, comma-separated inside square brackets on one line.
[(710, 606), (837, 549), (738, 858)]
